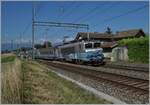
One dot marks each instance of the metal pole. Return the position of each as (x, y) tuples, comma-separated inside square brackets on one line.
[(12, 45), (32, 30), (4, 43), (46, 33), (88, 36), (20, 44)]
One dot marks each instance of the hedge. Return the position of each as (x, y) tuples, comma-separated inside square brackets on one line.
[(138, 49)]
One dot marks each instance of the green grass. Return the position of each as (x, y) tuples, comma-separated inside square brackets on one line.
[(138, 49), (7, 58), (44, 87)]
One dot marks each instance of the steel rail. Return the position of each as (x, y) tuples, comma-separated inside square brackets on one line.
[(92, 75)]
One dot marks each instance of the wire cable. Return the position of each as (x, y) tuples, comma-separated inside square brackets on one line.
[(89, 12), (123, 14), (71, 11), (30, 23), (104, 11)]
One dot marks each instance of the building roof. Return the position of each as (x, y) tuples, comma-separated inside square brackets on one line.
[(83, 35), (109, 45), (119, 34), (128, 33)]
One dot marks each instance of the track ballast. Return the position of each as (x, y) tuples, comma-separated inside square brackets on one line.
[(134, 85)]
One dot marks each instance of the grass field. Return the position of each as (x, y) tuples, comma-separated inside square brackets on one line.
[(44, 87), (11, 85), (7, 57)]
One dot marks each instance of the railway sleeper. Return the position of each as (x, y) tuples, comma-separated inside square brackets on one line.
[(80, 72), (135, 92), (141, 85), (93, 75), (134, 83)]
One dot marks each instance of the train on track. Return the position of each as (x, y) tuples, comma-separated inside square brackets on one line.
[(77, 52)]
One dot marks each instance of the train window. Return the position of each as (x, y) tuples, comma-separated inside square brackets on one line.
[(96, 45), (88, 45)]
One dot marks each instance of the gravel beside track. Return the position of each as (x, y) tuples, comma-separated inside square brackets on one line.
[(128, 64), (130, 90), (126, 67)]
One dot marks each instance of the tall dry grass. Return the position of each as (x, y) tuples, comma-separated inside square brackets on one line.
[(11, 84), (41, 86)]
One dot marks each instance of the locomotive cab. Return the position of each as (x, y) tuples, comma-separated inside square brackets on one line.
[(92, 46), (94, 51)]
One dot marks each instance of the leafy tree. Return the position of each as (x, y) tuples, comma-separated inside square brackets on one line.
[(109, 30), (47, 42), (38, 46)]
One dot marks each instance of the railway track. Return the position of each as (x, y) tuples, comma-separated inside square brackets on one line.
[(123, 80), (133, 68), (134, 85), (129, 71)]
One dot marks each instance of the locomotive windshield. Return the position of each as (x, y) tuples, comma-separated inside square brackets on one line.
[(88, 45), (96, 45)]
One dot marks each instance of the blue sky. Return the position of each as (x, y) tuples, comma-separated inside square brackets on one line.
[(17, 15)]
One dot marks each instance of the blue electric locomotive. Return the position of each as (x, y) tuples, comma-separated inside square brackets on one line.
[(81, 52), (92, 57)]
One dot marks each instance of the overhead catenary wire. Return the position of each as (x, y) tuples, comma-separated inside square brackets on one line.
[(93, 11), (58, 24), (70, 11), (63, 12), (61, 25), (89, 12), (123, 14), (103, 11), (60, 13), (59, 16), (128, 12), (86, 17), (38, 9), (67, 14), (26, 28), (29, 24)]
